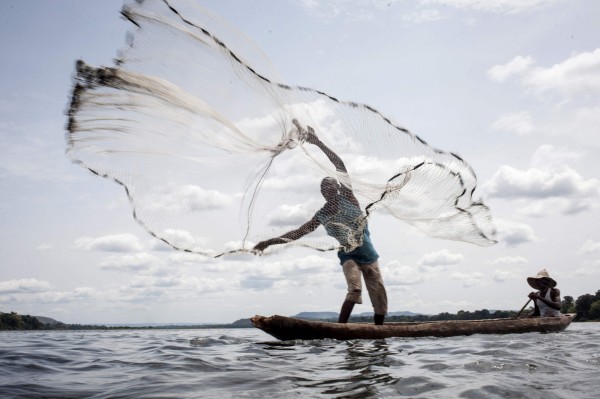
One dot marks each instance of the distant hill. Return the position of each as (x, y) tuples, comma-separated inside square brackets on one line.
[(41, 319), (242, 323), (400, 313), (334, 315), (317, 315), (48, 320)]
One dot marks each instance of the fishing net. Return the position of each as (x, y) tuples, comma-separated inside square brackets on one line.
[(216, 155)]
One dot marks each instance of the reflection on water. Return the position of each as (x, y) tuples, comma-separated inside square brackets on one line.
[(357, 371), (246, 363)]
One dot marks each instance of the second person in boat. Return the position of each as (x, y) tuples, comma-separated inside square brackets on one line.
[(547, 299)]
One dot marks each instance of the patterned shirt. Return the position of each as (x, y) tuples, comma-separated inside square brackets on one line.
[(349, 227)]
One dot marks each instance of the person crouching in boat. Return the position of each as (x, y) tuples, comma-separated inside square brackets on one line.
[(547, 299)]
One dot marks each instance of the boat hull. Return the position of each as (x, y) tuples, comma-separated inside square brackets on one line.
[(289, 328)]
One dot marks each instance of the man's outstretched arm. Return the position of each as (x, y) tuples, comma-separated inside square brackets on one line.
[(292, 235), (340, 167), (312, 138)]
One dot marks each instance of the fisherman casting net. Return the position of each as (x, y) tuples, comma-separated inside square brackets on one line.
[(216, 155)]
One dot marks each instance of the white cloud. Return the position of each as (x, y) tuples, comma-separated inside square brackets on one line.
[(156, 282), (262, 274), (517, 66), (181, 239), (110, 243), (292, 182), (422, 16), (44, 247), (496, 6), (351, 11), (136, 262), (293, 215), (589, 247), (517, 122), (141, 289), (514, 233), (46, 296), (549, 186), (588, 268), (179, 258), (509, 182), (23, 286), (175, 287), (190, 198), (548, 157), (373, 166), (84, 293), (565, 206), (580, 126), (508, 260), (368, 10), (258, 282), (306, 265), (505, 275), (469, 279), (439, 259), (586, 120), (309, 3), (395, 274), (578, 74)]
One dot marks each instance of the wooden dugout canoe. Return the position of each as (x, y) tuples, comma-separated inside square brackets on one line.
[(288, 328)]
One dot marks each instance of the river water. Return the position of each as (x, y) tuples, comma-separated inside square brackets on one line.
[(247, 363)]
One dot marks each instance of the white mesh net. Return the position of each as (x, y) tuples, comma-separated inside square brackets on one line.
[(215, 155)]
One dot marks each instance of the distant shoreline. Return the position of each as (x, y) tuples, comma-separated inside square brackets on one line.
[(16, 322)]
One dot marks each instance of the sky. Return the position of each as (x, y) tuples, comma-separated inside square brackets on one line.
[(512, 86)]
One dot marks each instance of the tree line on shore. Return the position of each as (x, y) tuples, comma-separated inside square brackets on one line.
[(587, 308), (14, 321)]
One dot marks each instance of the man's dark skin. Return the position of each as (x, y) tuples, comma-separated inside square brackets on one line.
[(331, 190)]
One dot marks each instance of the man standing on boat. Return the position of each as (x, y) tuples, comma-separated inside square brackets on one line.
[(343, 220), (547, 299)]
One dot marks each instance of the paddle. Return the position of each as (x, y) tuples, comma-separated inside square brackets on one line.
[(522, 309)]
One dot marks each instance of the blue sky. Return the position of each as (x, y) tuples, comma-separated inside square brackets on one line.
[(511, 86)]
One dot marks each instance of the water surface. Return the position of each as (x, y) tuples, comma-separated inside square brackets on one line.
[(247, 363)]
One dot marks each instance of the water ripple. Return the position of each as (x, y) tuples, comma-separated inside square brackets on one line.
[(244, 363)]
